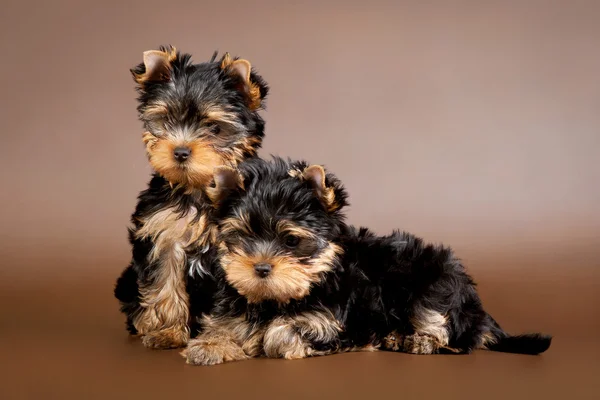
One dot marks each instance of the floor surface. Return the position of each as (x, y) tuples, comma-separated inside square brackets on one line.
[(66, 340)]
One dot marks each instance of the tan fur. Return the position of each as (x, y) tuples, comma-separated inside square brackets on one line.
[(167, 227), (155, 110), (393, 341), (233, 339), (227, 60), (247, 146), (252, 90), (236, 224), (197, 171), (244, 147), (243, 65), (288, 280), (217, 114), (149, 140), (327, 257), (248, 337), (414, 344), (289, 337), (295, 173), (431, 333), (224, 339), (254, 95), (216, 350), (218, 342), (287, 227), (170, 338), (281, 340), (420, 344), (316, 175), (487, 339), (168, 57), (163, 322), (225, 180), (431, 323)]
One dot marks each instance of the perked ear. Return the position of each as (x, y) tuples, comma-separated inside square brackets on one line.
[(156, 66), (226, 180), (250, 84), (317, 177)]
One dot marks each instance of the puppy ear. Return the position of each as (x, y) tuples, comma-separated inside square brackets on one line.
[(156, 66), (149, 140), (249, 83), (327, 188), (226, 180)]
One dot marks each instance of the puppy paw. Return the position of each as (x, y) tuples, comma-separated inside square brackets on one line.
[(393, 341), (204, 352), (172, 338), (420, 344)]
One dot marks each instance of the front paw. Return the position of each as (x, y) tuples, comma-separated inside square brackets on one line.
[(171, 338), (420, 344), (203, 352)]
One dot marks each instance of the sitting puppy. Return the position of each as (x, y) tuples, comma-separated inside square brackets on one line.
[(196, 117), (295, 281)]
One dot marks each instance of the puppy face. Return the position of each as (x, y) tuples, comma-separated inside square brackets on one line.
[(198, 116), (278, 227)]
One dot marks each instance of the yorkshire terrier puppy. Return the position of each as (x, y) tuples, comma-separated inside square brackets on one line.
[(196, 117), (295, 281)]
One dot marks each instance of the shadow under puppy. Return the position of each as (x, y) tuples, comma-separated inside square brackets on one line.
[(296, 281), (196, 117)]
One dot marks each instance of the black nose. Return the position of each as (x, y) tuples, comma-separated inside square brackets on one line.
[(262, 269), (182, 153)]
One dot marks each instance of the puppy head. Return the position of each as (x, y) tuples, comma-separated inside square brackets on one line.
[(280, 221), (198, 116)]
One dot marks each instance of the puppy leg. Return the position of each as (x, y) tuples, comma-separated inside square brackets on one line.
[(431, 334), (420, 344), (305, 335), (282, 339), (163, 323), (163, 238), (212, 349), (170, 338), (415, 344), (218, 343)]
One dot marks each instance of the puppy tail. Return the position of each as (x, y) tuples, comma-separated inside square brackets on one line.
[(529, 343)]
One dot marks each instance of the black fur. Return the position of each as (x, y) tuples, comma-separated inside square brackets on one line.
[(380, 286), (188, 91), (157, 196), (191, 87)]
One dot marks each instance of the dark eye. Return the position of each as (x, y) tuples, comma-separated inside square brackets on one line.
[(292, 241), (215, 129)]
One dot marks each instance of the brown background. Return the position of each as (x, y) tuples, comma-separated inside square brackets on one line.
[(473, 123)]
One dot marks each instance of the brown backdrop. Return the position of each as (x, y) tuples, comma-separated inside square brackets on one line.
[(474, 123)]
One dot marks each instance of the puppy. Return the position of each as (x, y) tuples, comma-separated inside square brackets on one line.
[(196, 117), (295, 281)]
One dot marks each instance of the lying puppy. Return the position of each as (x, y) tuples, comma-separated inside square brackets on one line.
[(296, 281)]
